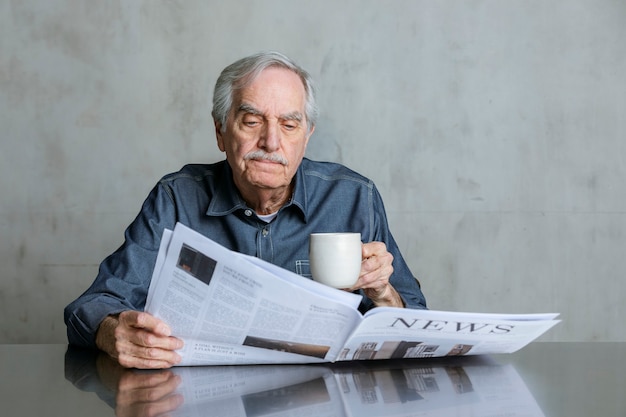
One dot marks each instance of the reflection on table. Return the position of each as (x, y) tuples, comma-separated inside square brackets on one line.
[(450, 386)]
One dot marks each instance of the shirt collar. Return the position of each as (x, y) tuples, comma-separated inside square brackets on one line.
[(226, 198)]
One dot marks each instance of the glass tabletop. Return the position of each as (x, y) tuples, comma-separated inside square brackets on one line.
[(543, 379)]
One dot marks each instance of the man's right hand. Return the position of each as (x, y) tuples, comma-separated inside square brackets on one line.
[(138, 340)]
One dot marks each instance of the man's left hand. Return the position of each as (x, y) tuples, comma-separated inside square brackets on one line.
[(376, 269)]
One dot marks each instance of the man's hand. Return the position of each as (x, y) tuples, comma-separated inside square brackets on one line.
[(138, 340), (376, 269)]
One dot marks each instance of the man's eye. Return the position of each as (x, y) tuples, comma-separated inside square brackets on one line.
[(290, 126)]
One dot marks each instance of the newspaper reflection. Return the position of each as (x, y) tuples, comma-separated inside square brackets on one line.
[(454, 386)]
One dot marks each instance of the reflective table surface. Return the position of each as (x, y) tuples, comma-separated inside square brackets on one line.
[(543, 379)]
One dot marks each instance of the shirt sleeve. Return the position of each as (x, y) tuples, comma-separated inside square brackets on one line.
[(124, 276), (402, 279)]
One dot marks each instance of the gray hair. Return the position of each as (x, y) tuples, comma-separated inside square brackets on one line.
[(242, 72)]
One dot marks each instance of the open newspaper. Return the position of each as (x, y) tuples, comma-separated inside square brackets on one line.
[(231, 308)]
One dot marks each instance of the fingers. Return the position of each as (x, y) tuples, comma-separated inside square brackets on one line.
[(139, 340), (142, 320), (144, 329), (374, 249), (376, 270), (133, 356)]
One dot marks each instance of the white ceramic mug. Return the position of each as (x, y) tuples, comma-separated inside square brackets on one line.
[(335, 258)]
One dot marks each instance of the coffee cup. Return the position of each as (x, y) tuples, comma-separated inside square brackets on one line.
[(335, 258)]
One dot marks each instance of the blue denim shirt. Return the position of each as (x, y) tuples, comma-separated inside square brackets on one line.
[(327, 197)]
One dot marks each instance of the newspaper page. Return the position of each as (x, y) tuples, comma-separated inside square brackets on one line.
[(391, 333), (229, 310)]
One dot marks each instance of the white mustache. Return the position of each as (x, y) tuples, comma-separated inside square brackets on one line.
[(267, 156)]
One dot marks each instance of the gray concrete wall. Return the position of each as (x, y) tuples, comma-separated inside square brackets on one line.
[(494, 129)]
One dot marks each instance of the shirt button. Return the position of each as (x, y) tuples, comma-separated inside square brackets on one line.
[(248, 212)]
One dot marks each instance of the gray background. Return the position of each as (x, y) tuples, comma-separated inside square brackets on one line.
[(494, 130)]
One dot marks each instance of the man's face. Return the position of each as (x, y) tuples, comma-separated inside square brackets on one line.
[(266, 132)]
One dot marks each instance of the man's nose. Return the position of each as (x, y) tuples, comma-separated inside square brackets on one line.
[(270, 138)]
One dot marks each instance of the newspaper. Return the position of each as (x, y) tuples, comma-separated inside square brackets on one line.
[(231, 308)]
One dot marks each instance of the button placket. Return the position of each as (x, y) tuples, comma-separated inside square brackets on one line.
[(264, 242)]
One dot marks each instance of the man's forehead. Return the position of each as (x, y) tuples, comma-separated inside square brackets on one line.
[(275, 73), (272, 92), (274, 79)]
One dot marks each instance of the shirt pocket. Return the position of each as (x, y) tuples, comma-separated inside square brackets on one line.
[(303, 268)]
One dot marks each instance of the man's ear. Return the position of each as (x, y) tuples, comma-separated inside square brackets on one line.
[(309, 134), (219, 136)]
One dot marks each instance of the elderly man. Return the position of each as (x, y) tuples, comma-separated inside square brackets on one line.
[(264, 200)]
